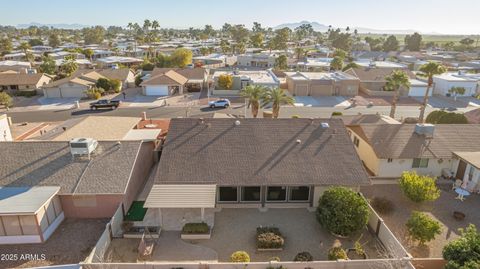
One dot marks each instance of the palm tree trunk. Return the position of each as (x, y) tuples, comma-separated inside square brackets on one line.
[(275, 110), (393, 108), (254, 110), (424, 105)]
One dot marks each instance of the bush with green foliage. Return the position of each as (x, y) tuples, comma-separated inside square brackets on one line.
[(195, 228), (240, 256), (5, 99), (434, 116), (337, 113), (422, 227), (463, 252), (382, 205), (225, 81), (336, 252), (303, 257), (138, 80), (269, 238), (94, 93), (418, 188), (342, 211), (29, 93), (109, 85), (443, 117)]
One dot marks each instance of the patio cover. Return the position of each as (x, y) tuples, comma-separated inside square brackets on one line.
[(472, 158), (25, 200), (181, 196)]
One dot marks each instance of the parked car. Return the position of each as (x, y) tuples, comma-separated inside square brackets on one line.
[(219, 103), (104, 104)]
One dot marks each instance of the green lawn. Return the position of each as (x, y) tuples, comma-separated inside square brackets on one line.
[(136, 211)]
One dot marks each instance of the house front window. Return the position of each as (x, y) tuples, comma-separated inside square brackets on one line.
[(228, 194), (420, 163), (250, 194), (277, 194), (299, 194), (356, 141)]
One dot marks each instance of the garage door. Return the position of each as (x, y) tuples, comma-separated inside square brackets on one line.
[(301, 90), (75, 92), (156, 90), (418, 91), (51, 93), (321, 90)]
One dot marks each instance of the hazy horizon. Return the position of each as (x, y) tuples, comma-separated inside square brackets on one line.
[(428, 16)]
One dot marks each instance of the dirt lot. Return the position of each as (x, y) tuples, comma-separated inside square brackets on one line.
[(69, 244)]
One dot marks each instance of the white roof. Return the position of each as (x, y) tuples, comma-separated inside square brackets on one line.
[(458, 77), (316, 62), (25, 200), (181, 196), (143, 134), (380, 64), (258, 76), (15, 63), (119, 59), (416, 82), (337, 76)]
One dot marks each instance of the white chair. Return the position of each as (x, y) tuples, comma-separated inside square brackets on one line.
[(457, 184)]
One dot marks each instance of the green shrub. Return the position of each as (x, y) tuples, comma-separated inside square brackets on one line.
[(418, 188), (337, 113), (26, 93), (382, 205), (94, 93), (303, 257), (342, 211), (295, 117), (443, 117), (434, 116), (195, 228), (5, 99), (337, 253), (463, 252), (225, 81), (240, 256), (269, 237), (422, 227), (138, 80)]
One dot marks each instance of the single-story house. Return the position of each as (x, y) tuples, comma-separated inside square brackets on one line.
[(22, 82), (197, 78), (313, 64), (468, 169), (372, 80), (444, 82), (387, 150), (164, 84), (322, 84), (214, 60), (418, 88), (125, 75), (112, 61), (14, 65), (365, 63), (263, 60), (241, 79), (214, 163), (91, 185), (74, 86)]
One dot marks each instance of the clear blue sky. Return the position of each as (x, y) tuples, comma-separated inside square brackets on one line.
[(443, 16)]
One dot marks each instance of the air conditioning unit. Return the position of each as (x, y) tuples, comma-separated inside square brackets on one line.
[(82, 146)]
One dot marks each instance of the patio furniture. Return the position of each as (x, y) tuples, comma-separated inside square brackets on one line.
[(458, 215), (145, 248), (456, 184), (461, 194)]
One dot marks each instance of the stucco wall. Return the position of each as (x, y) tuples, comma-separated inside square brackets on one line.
[(90, 206), (366, 154), (397, 166)]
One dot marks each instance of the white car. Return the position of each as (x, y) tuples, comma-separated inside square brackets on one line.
[(219, 103)]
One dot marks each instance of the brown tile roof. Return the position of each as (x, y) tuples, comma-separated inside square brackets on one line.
[(259, 152), (120, 74), (197, 73), (83, 77), (169, 78), (473, 116), (19, 79), (399, 141), (375, 74), (51, 164)]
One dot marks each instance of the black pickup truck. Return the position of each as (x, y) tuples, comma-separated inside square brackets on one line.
[(104, 104)]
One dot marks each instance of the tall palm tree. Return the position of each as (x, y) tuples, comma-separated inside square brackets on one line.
[(395, 81), (24, 47), (254, 94), (429, 70), (276, 97)]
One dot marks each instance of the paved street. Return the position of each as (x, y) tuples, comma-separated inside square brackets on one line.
[(172, 112)]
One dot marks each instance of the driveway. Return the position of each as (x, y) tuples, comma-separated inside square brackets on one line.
[(449, 103), (321, 101), (56, 103)]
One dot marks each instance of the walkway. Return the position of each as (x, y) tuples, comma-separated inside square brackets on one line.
[(171, 248)]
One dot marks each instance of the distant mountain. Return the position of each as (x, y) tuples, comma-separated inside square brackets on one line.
[(323, 28), (57, 25)]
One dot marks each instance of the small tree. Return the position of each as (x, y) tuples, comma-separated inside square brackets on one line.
[(225, 81), (240, 256), (418, 188), (336, 63), (5, 99), (463, 252), (115, 85), (103, 83), (342, 211), (138, 80), (281, 62), (434, 116), (457, 91), (422, 227)]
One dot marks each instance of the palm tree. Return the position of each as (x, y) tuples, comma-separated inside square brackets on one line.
[(254, 93), (276, 97), (429, 70), (24, 46), (395, 81)]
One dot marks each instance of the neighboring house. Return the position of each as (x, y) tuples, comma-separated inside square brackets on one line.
[(208, 164), (468, 169), (114, 61), (5, 132), (74, 86), (262, 60), (322, 84), (369, 55), (387, 150), (82, 63), (21, 82), (444, 82), (241, 79), (164, 84), (380, 64), (14, 65), (197, 78), (372, 80), (125, 75), (418, 88), (19, 56), (214, 60), (89, 187), (313, 64)]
